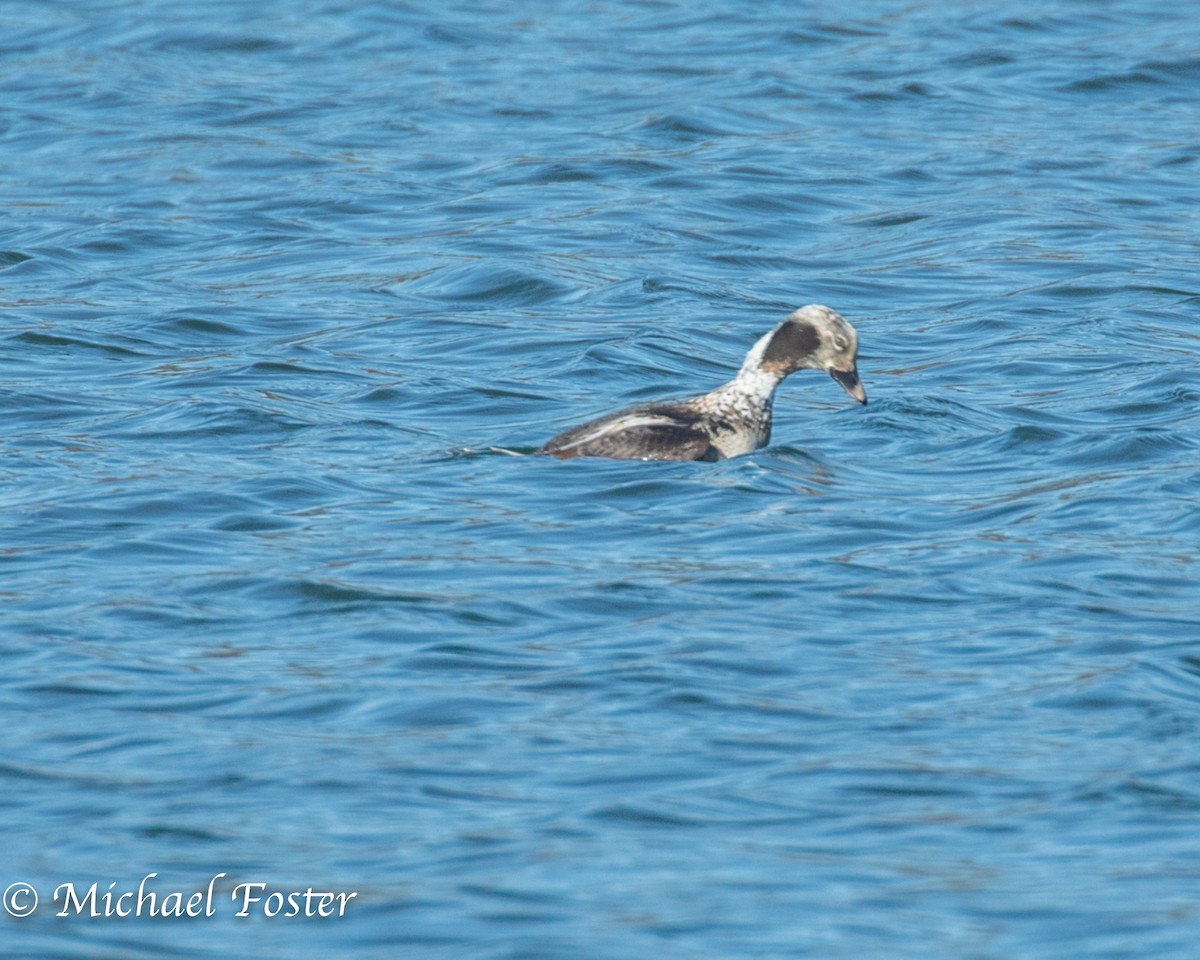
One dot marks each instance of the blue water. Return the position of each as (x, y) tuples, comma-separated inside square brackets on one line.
[(920, 679)]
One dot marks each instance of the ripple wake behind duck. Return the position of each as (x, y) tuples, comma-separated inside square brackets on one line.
[(732, 419)]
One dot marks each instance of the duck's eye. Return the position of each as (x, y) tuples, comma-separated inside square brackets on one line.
[(840, 342)]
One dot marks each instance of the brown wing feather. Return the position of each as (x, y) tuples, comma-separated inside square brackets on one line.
[(649, 433)]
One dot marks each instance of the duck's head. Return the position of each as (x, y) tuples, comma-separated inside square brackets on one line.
[(816, 338)]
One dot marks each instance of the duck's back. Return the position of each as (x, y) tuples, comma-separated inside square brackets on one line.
[(662, 431)]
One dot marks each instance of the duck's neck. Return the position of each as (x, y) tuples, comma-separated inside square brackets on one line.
[(751, 392), (752, 380)]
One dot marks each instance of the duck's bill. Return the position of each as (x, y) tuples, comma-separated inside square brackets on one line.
[(850, 383)]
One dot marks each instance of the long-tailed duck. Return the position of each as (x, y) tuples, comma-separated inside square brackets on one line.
[(733, 419)]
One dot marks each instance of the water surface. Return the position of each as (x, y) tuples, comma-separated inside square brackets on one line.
[(919, 679)]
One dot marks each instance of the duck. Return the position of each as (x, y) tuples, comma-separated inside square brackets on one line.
[(734, 418)]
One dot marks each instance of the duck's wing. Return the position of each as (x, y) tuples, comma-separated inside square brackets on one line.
[(639, 434)]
